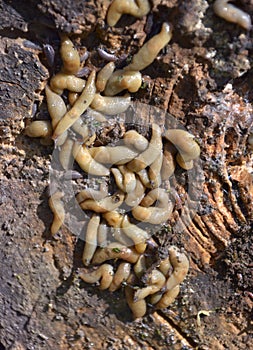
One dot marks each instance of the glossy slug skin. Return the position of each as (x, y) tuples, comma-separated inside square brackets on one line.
[(136, 234), (184, 143), (111, 105), (115, 250), (62, 81), (232, 13), (83, 101), (103, 273), (148, 156), (109, 203), (149, 51), (104, 75), (167, 298), (87, 163), (138, 308), (57, 207), (91, 239), (91, 193), (113, 155), (133, 139), (70, 56), (120, 276), (134, 198), (155, 282), (180, 264), (117, 8), (65, 154), (121, 80), (39, 128)]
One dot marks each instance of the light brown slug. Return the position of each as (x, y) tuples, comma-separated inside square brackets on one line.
[(39, 128), (138, 8), (111, 105), (154, 215), (91, 239), (136, 234), (148, 156), (168, 298), (121, 275), (65, 154), (123, 80), (104, 75), (70, 56), (163, 300), (149, 51), (112, 155), (87, 163), (113, 251), (155, 282), (81, 129), (140, 266), (114, 218), (83, 101), (180, 264), (103, 205), (103, 273), (129, 179), (102, 234), (232, 13), (61, 81), (165, 266), (138, 308), (144, 178), (91, 193), (154, 171), (187, 165), (57, 207), (184, 142), (134, 198), (72, 97), (133, 139), (168, 165)]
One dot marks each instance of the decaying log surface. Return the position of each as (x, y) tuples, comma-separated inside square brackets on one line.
[(203, 78)]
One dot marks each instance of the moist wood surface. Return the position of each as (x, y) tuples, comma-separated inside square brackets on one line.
[(43, 305)]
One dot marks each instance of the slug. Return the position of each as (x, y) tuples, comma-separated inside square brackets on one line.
[(111, 105), (91, 239), (149, 51), (123, 80), (138, 8), (57, 207), (232, 13), (113, 251), (83, 101), (103, 273), (70, 56)]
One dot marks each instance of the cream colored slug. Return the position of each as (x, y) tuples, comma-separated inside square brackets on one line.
[(113, 251), (91, 239), (39, 128), (136, 234), (155, 282), (133, 139), (91, 193), (180, 264), (149, 51), (61, 81), (57, 207), (138, 308), (70, 56), (111, 105), (154, 215), (83, 101), (134, 198), (148, 156), (138, 8), (104, 75), (112, 155), (103, 273), (65, 154), (123, 80), (103, 205), (167, 298), (87, 163), (184, 142), (121, 275), (232, 13)]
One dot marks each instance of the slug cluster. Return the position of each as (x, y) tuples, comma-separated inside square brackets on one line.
[(137, 167)]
